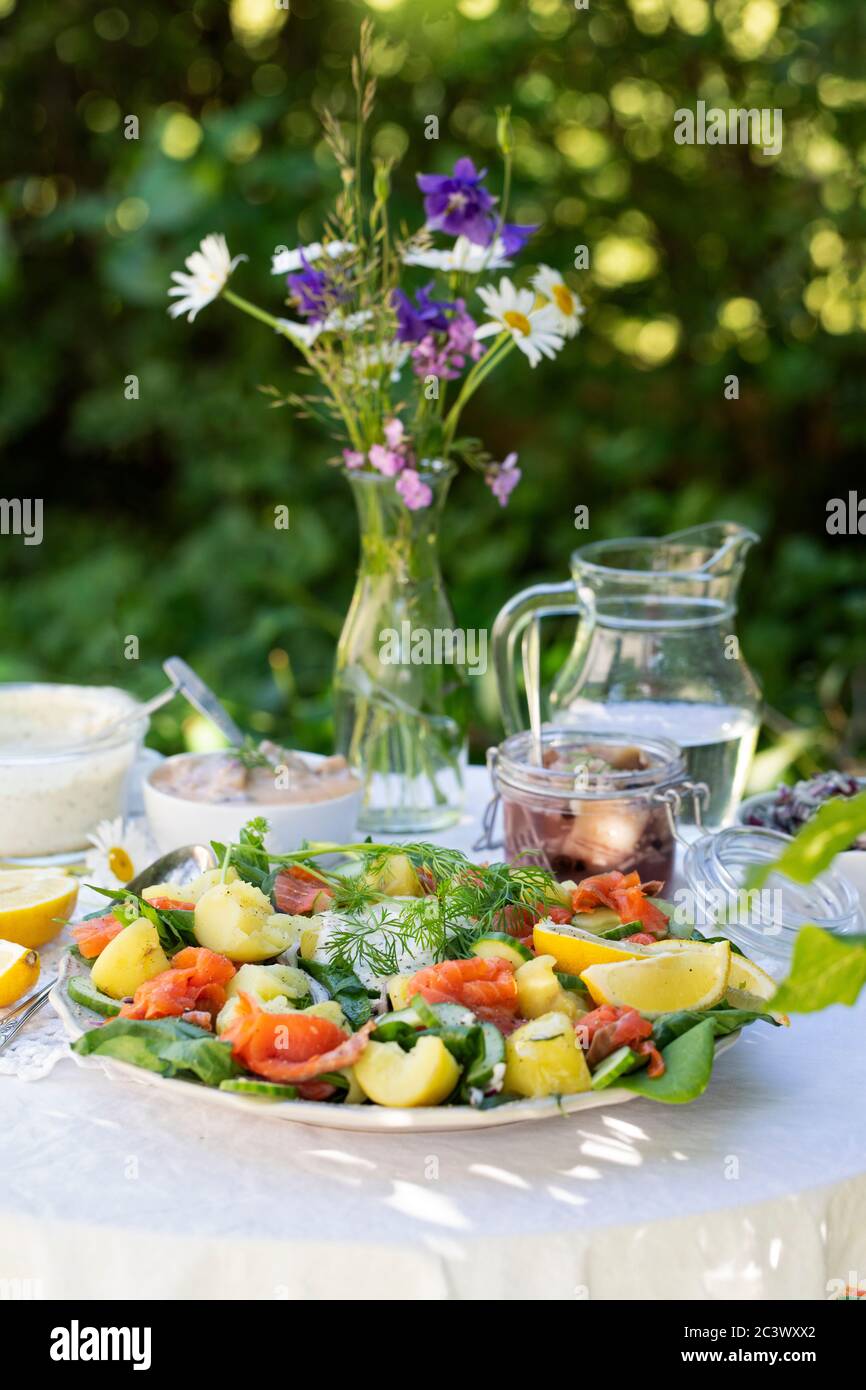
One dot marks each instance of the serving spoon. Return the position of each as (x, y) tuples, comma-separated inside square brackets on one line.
[(179, 866)]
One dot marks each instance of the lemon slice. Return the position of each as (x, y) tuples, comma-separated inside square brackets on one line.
[(663, 981), (574, 949), (749, 987), (19, 971), (34, 904)]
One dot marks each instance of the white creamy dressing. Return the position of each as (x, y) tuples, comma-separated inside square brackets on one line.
[(56, 780), (407, 960)]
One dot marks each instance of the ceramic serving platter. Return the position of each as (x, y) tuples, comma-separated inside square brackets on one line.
[(369, 1119)]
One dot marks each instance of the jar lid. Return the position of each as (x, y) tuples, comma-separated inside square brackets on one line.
[(763, 921), (587, 763)]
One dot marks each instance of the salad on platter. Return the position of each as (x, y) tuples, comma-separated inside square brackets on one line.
[(407, 976)]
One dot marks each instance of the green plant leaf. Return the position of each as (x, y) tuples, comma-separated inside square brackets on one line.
[(344, 986), (688, 1066), (724, 1021), (833, 828), (164, 1045), (825, 970)]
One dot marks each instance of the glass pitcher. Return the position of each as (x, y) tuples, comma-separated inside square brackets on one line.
[(655, 652)]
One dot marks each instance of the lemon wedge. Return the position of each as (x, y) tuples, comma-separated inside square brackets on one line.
[(749, 986), (19, 971), (664, 981), (574, 949), (34, 904)]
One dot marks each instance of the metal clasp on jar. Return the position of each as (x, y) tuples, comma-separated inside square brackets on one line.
[(672, 800)]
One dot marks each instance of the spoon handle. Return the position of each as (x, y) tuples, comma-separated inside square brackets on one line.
[(202, 698)]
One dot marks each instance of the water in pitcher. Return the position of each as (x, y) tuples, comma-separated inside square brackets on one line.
[(718, 741)]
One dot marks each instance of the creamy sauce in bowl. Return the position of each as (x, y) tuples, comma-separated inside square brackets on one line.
[(60, 769), (225, 779)]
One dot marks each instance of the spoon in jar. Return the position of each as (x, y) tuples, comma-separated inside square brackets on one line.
[(530, 650)]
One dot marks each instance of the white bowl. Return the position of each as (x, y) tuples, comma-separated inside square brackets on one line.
[(178, 820), (851, 863)]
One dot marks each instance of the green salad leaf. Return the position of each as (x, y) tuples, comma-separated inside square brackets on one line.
[(724, 1021), (344, 986), (688, 1066), (825, 969), (174, 926), (164, 1045)]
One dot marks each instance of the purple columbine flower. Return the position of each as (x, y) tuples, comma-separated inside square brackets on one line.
[(457, 203), (314, 292), (415, 493), (503, 480), (514, 236), (426, 315)]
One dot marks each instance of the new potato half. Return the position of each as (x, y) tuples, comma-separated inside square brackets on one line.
[(237, 920)]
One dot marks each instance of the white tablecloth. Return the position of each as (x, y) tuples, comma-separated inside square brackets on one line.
[(757, 1190)]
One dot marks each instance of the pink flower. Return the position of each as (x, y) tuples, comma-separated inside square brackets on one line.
[(353, 458), (394, 433), (415, 493), (386, 460), (503, 479)]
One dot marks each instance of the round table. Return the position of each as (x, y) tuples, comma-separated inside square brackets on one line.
[(757, 1190)]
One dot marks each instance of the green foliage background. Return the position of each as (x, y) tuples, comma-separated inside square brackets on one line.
[(705, 261)]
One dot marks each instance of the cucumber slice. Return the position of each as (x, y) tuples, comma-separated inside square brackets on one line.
[(598, 920), (419, 1006), (573, 983), (622, 931), (615, 1066), (79, 988), (500, 945), (489, 1065), (246, 1086), (453, 1016), (398, 1026)]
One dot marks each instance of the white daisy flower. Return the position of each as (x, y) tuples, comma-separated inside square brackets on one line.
[(465, 255), (305, 333), (209, 267), (120, 852), (286, 262), (338, 322), (549, 284), (535, 331)]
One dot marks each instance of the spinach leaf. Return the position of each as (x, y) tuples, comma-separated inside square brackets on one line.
[(724, 1021), (164, 1045), (824, 970), (343, 985), (688, 1066), (174, 926)]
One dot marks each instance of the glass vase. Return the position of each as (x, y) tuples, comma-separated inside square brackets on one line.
[(400, 686)]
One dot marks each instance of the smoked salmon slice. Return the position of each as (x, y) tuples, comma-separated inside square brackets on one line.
[(296, 890), (92, 937), (195, 983), (486, 986), (625, 895), (291, 1047)]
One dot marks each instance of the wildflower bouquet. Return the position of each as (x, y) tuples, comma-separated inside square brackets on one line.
[(396, 366)]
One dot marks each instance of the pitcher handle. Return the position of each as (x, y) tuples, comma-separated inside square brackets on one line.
[(540, 601)]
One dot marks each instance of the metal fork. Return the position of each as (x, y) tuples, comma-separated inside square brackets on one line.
[(17, 1019)]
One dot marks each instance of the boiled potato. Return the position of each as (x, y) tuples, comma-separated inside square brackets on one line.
[(134, 956), (175, 891), (399, 992), (282, 1004), (539, 991), (329, 1009), (544, 1058), (199, 886), (237, 920), (355, 1094), (265, 982), (425, 1076), (397, 878)]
